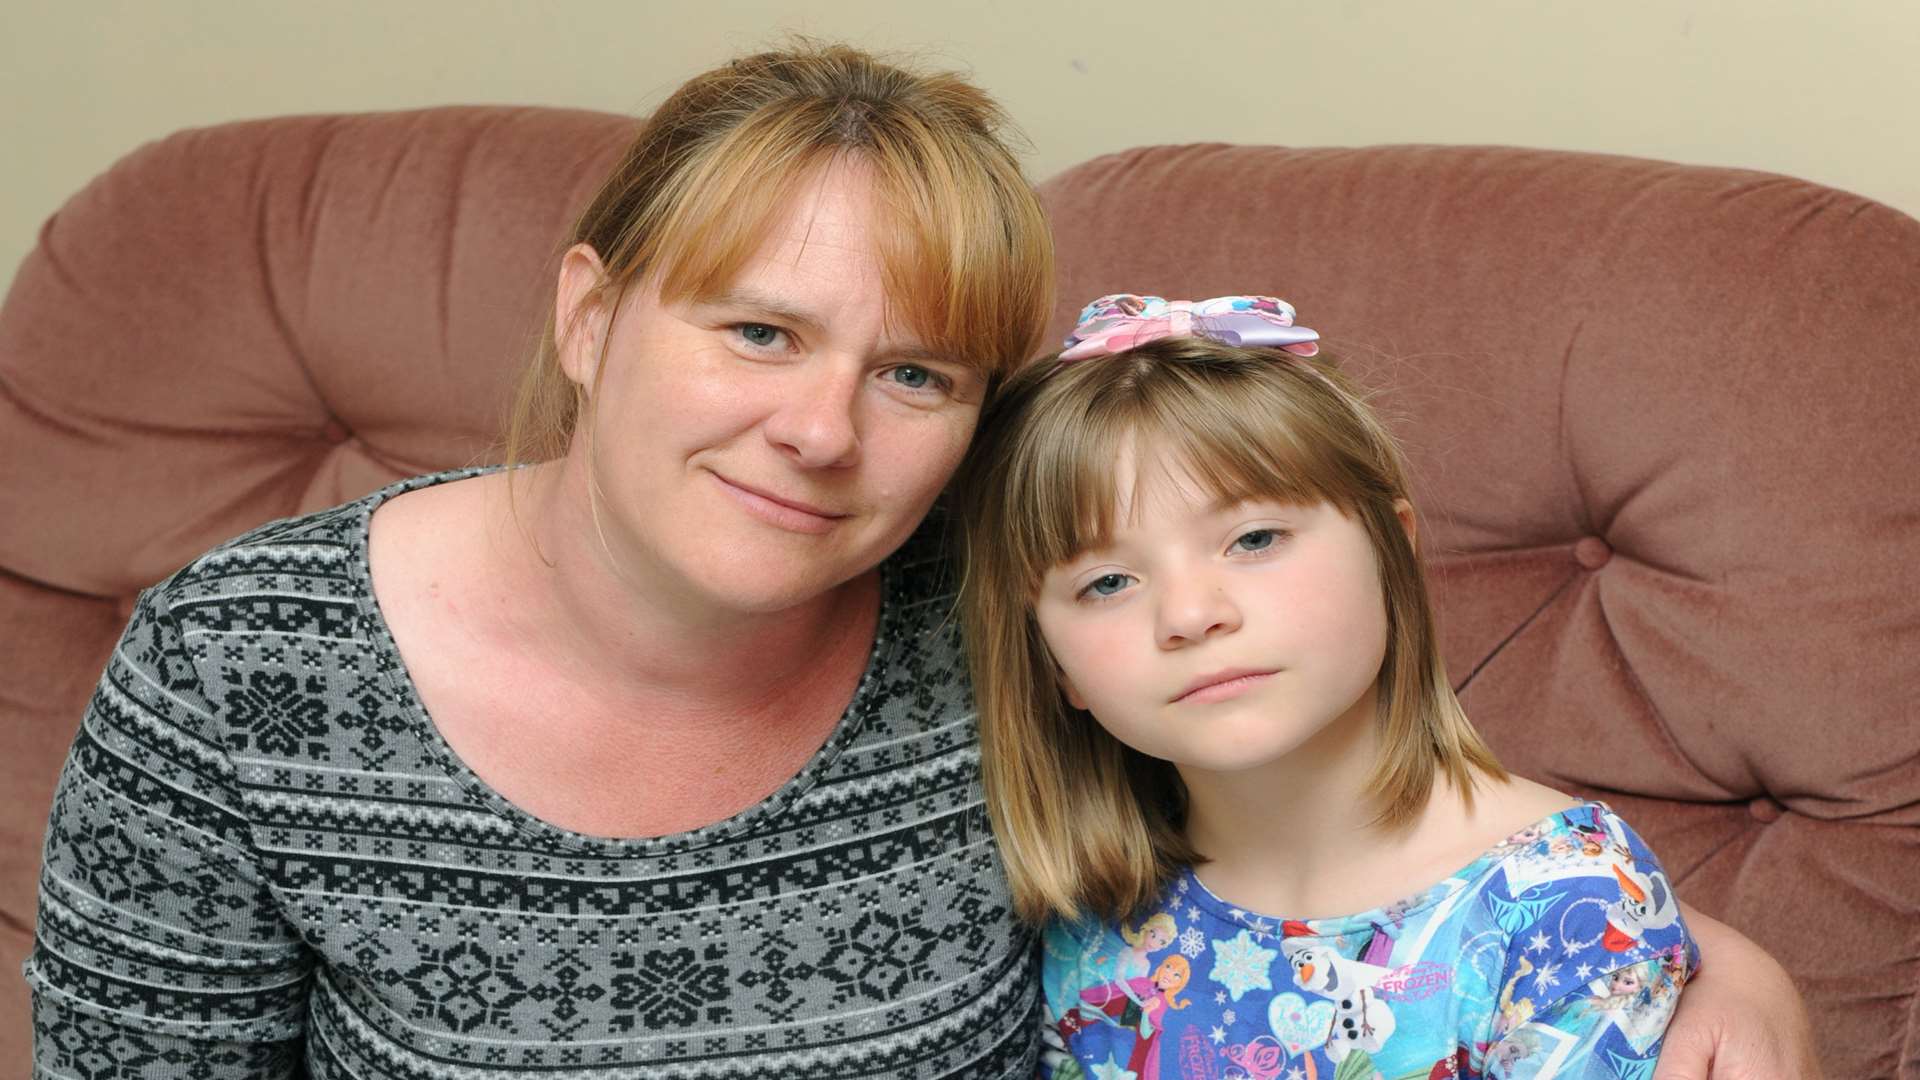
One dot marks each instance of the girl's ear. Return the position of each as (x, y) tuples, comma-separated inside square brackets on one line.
[(1403, 510), (579, 313)]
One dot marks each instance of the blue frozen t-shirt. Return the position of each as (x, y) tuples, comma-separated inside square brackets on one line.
[(1558, 953)]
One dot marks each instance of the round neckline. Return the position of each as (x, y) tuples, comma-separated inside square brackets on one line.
[(880, 658), (1188, 888)]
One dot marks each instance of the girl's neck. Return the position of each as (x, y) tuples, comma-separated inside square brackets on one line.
[(1277, 839), (1298, 838)]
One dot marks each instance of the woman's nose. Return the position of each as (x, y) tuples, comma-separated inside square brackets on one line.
[(813, 422), (1194, 610)]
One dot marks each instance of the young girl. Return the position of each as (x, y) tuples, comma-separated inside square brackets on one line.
[(1217, 730)]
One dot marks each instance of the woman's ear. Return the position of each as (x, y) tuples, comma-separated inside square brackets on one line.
[(579, 314), (1403, 510)]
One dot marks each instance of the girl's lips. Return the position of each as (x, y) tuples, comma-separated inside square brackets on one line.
[(780, 513), (1222, 685)]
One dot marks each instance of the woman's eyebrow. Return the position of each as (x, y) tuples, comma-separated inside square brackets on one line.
[(779, 310), (764, 304)]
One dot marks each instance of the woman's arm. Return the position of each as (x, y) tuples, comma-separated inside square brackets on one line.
[(1740, 1019), (159, 950)]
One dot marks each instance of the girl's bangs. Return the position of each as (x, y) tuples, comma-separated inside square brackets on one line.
[(1235, 440)]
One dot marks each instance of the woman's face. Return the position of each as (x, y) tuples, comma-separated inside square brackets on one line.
[(755, 449)]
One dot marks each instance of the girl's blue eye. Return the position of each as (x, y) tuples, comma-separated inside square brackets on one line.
[(1106, 584), (759, 335), (1255, 540)]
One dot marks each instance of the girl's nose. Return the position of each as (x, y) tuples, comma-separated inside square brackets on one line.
[(1194, 610), (813, 420)]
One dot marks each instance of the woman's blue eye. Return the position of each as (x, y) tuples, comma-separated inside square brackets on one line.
[(1107, 584), (913, 378), (1257, 540), (759, 335)]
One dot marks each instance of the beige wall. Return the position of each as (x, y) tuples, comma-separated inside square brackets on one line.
[(1822, 91)]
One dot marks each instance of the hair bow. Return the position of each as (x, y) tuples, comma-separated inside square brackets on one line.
[(1121, 321)]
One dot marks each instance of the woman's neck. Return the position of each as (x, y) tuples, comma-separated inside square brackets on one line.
[(609, 624)]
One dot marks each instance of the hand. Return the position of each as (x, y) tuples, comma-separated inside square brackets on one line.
[(1740, 1019)]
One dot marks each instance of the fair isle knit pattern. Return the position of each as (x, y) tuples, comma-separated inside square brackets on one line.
[(264, 861)]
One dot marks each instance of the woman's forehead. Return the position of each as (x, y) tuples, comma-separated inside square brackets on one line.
[(824, 258), (820, 243)]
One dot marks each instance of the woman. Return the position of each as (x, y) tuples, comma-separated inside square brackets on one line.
[(655, 756)]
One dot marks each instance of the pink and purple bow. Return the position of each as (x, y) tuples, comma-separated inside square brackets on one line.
[(1121, 321)]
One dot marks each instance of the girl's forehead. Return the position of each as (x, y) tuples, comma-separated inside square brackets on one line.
[(1150, 477), (1153, 480)]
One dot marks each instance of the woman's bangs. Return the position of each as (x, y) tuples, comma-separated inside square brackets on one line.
[(727, 206), (967, 255)]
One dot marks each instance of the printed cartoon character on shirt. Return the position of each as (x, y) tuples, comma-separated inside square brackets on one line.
[(1625, 986), (1362, 1019), (1646, 903), (1129, 971), (1511, 1013), (1142, 1006), (1154, 935), (1636, 1000)]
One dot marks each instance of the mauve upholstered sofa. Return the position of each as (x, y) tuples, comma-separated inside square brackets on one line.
[(1661, 419)]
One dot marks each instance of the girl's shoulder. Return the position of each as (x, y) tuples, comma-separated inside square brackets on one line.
[(1583, 889), (1585, 840), (1596, 948)]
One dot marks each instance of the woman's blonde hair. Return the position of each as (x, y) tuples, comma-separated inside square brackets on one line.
[(967, 256), (1088, 825)]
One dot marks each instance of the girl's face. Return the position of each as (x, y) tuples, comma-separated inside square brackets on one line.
[(1217, 637), (755, 448)]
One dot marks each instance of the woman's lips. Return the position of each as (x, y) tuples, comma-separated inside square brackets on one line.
[(1222, 685), (783, 513)]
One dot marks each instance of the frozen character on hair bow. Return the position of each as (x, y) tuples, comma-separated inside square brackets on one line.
[(1121, 321)]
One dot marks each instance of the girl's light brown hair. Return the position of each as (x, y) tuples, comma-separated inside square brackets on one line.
[(1087, 824), (967, 256)]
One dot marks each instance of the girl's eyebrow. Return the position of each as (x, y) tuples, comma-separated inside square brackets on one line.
[(1226, 504)]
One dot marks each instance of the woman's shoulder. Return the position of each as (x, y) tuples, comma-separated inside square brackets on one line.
[(314, 548)]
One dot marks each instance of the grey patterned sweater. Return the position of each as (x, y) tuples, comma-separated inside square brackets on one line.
[(264, 861)]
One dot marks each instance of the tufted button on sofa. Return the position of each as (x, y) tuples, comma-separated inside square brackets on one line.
[(1660, 418)]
